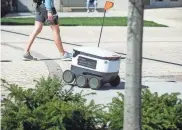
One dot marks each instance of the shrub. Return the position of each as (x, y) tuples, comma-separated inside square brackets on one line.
[(158, 112), (48, 107)]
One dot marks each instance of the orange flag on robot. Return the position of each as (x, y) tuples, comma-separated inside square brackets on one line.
[(108, 5)]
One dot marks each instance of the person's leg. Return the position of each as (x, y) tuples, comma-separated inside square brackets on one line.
[(37, 29), (57, 38), (95, 5), (87, 5)]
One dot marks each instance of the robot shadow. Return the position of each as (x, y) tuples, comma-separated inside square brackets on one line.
[(121, 86)]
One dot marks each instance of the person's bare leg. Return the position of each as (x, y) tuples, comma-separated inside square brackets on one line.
[(87, 6), (95, 6), (57, 38), (36, 31)]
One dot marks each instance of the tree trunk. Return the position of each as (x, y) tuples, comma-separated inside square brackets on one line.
[(132, 99)]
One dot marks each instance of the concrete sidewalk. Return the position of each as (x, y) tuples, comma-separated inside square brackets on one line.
[(162, 63), (159, 43)]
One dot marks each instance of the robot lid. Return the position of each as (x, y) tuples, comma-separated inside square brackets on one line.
[(97, 52)]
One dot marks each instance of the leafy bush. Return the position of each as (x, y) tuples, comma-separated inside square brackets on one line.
[(48, 107), (51, 107), (158, 112)]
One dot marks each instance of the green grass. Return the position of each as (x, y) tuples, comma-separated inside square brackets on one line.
[(79, 21)]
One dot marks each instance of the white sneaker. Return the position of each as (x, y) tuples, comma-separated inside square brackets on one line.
[(67, 56), (88, 11)]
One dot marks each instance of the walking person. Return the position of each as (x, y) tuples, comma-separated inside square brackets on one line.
[(46, 13), (90, 3)]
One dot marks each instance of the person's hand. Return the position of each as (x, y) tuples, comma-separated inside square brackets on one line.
[(50, 16)]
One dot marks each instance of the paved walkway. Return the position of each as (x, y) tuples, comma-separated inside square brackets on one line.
[(162, 63)]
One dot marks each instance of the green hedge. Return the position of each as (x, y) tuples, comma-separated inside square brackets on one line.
[(158, 112), (52, 107), (48, 107)]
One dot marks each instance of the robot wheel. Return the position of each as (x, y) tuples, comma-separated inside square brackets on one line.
[(94, 83), (115, 81), (68, 76), (81, 81)]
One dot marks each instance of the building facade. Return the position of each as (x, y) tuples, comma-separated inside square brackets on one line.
[(165, 3), (78, 5)]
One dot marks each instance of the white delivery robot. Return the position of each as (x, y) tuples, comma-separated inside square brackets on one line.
[(93, 66)]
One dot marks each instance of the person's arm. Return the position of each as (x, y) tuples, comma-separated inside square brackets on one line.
[(48, 5)]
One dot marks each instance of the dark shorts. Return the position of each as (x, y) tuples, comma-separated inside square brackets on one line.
[(41, 15)]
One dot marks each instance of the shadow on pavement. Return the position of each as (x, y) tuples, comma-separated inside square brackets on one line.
[(162, 61), (121, 86)]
